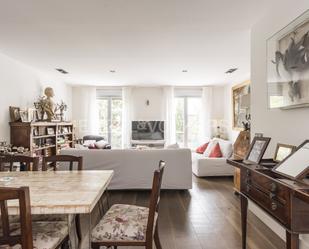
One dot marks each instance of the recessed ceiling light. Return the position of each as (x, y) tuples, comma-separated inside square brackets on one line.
[(60, 70), (185, 71), (232, 70), (112, 71)]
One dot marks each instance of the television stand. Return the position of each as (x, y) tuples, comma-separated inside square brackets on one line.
[(149, 143)]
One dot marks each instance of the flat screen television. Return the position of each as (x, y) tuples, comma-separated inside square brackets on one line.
[(147, 130)]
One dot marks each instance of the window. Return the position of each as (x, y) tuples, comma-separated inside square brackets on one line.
[(110, 118), (188, 120)]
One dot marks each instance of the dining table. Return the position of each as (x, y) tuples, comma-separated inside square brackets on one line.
[(61, 192)]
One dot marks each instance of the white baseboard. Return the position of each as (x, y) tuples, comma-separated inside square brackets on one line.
[(276, 227)]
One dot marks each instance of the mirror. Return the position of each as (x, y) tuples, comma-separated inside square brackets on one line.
[(295, 166)]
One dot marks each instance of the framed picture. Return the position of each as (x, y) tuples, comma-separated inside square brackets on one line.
[(296, 165), (283, 151), (31, 114), (14, 114), (65, 130), (24, 115), (35, 131), (257, 150), (241, 105), (50, 131), (288, 66)]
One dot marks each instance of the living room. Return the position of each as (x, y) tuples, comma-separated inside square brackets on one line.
[(206, 90)]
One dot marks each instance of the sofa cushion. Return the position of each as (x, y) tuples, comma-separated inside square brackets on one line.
[(101, 144), (89, 143), (201, 149), (210, 146), (172, 146), (226, 147), (216, 151), (204, 166)]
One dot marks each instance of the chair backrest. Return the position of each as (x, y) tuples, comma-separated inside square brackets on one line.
[(26, 160), (62, 158), (154, 199), (25, 238)]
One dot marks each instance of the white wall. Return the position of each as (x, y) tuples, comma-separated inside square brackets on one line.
[(21, 86), (289, 126), (155, 109)]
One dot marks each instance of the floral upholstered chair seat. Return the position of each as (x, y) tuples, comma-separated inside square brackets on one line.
[(122, 223), (41, 218), (46, 235)]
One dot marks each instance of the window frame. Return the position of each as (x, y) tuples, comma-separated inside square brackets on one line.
[(109, 115), (186, 118)]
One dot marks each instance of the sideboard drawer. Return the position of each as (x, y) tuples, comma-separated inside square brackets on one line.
[(273, 206), (269, 186), (273, 198)]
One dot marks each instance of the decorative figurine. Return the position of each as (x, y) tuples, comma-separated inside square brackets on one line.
[(49, 106)]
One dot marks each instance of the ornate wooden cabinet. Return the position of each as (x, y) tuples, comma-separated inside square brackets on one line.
[(285, 200)]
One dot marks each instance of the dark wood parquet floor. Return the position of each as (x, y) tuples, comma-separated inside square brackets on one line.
[(206, 217)]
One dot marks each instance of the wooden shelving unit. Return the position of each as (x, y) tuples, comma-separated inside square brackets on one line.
[(42, 138)]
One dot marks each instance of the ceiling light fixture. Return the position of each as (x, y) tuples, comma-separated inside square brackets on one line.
[(232, 70), (60, 70)]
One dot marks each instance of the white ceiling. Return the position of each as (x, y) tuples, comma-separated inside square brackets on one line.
[(147, 42)]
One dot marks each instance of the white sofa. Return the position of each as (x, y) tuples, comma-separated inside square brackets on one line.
[(202, 165), (133, 169)]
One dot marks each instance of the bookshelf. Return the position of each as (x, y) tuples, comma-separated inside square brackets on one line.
[(42, 138)]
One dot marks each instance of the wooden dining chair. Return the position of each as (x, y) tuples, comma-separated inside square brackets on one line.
[(25, 161), (130, 225), (24, 233), (53, 160)]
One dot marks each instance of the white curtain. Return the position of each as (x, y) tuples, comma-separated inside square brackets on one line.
[(85, 111), (126, 116), (206, 114), (169, 109)]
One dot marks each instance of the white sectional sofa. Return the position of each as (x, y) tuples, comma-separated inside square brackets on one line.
[(133, 169), (202, 165)]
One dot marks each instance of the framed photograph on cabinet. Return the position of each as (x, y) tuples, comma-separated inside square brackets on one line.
[(257, 150), (296, 165), (283, 151), (14, 114)]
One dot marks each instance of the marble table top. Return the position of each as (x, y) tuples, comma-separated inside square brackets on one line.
[(59, 192)]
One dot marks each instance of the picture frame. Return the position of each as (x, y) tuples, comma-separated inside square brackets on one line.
[(50, 131), (296, 165), (31, 114), (24, 116), (35, 132), (287, 73), (65, 130), (257, 150), (241, 107), (283, 151), (14, 114)]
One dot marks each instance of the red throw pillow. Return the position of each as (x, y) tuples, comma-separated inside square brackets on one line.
[(202, 148), (216, 151)]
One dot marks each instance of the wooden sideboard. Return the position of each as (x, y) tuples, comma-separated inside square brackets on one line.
[(284, 200)]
